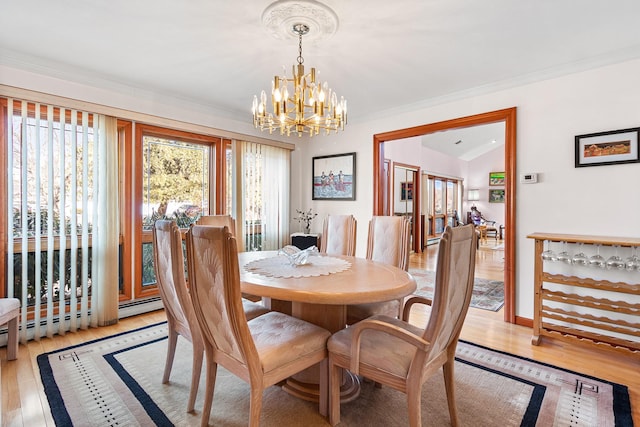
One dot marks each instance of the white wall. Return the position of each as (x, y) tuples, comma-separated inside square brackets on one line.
[(437, 163), (404, 151), (411, 152), (596, 200), (114, 95)]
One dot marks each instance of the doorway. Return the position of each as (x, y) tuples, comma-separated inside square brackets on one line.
[(404, 188), (508, 116)]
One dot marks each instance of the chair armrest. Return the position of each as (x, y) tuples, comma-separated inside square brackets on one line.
[(409, 304), (388, 328)]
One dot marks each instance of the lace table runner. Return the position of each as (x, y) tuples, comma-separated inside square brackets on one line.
[(279, 266)]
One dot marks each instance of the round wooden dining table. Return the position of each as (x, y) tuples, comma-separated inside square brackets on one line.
[(323, 299)]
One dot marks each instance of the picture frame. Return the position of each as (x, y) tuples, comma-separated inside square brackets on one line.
[(406, 191), (334, 177), (496, 195), (496, 178), (607, 148)]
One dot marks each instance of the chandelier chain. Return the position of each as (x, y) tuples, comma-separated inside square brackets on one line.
[(300, 58)]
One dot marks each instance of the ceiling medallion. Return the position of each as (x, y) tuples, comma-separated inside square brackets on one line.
[(300, 104), (280, 17)]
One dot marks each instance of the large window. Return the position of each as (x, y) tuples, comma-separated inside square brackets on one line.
[(56, 230), (175, 186), (51, 189), (83, 191), (183, 175), (176, 182)]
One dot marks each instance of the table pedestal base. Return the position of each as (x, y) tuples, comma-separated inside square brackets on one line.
[(349, 390), (305, 385)]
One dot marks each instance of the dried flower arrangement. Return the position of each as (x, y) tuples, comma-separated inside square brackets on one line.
[(305, 218)]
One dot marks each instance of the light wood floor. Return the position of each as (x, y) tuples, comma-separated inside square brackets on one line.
[(23, 402)]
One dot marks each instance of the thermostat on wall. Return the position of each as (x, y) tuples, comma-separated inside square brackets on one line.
[(529, 178)]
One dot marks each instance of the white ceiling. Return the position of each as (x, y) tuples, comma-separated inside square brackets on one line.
[(467, 143), (385, 55)]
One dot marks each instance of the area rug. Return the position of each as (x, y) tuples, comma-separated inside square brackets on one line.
[(117, 381), (487, 294)]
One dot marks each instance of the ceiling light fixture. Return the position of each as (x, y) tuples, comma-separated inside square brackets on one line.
[(308, 107)]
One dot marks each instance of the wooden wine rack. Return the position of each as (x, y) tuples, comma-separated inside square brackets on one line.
[(599, 301)]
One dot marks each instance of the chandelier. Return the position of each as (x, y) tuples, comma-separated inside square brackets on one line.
[(308, 107)]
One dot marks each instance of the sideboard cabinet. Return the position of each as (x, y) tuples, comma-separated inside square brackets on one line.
[(581, 300)]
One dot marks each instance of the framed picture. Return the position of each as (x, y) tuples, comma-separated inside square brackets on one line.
[(608, 148), (496, 195), (334, 177), (406, 191), (496, 178)]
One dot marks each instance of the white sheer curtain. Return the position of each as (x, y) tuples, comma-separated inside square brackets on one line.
[(261, 195), (62, 192), (106, 253)]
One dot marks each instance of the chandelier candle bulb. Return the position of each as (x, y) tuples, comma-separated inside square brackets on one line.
[(277, 95)]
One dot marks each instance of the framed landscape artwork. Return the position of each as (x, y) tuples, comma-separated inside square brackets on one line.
[(496, 196), (496, 178), (334, 177), (608, 148)]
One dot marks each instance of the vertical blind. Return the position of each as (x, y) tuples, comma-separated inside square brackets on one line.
[(261, 194), (62, 186)]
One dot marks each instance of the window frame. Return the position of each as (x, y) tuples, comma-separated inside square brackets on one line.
[(135, 235), (446, 215)]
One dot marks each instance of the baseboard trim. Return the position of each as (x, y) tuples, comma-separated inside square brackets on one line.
[(524, 321), (127, 309), (134, 308)]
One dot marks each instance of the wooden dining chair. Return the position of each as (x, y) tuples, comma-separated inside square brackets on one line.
[(9, 314), (388, 242), (262, 351), (181, 320), (221, 221), (339, 235), (402, 356), (169, 267)]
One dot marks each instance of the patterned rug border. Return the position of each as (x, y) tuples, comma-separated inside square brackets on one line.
[(530, 416), (621, 401), (59, 411), (154, 411), (621, 398)]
